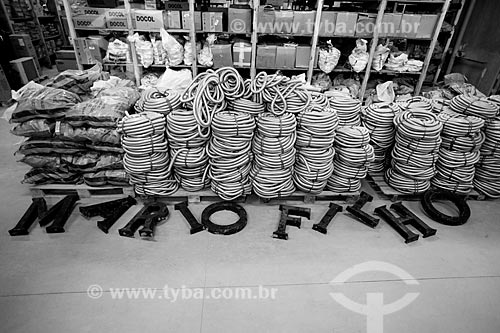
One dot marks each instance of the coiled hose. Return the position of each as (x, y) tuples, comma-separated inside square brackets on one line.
[(314, 145), (455, 168), (153, 100), (348, 109), (188, 150), (415, 153), (378, 118), (230, 154), (474, 106), (352, 159), (274, 155), (246, 105), (146, 157), (487, 177)]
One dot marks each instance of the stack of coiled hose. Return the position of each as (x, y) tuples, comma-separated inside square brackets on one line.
[(274, 155), (378, 118), (487, 178), (153, 100), (416, 151), (314, 159), (353, 155), (230, 154), (348, 109), (146, 159), (459, 152), (474, 106), (188, 150), (247, 105)]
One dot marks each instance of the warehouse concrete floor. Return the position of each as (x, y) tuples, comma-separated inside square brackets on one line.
[(44, 278)]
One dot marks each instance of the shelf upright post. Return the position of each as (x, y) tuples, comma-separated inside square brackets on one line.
[(254, 39), (378, 27), (428, 57), (314, 45), (192, 38), (133, 53), (72, 31)]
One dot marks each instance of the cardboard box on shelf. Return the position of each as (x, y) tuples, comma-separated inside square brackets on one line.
[(103, 3), (427, 26), (120, 24), (25, 69), (327, 25), (186, 20), (240, 20), (275, 3), (266, 20), (176, 5), (92, 11), (149, 19), (242, 54), (390, 25), (173, 19), (222, 55), (266, 56), (302, 56), (285, 56), (409, 25), (90, 21), (113, 14), (303, 22), (150, 4), (88, 51), (212, 21), (365, 25), (346, 24), (65, 64), (23, 47), (283, 21)]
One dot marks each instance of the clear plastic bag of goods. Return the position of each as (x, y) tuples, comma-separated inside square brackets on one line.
[(101, 135), (359, 56), (143, 48), (175, 80), (92, 162), (159, 53), (118, 51), (205, 57), (385, 92), (149, 80), (128, 95), (107, 177), (397, 61), (35, 128), (78, 81), (112, 82), (380, 57), (175, 51), (188, 52), (322, 81), (48, 176), (328, 58), (103, 111)]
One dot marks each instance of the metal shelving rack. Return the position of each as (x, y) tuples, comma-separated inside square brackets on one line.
[(314, 40)]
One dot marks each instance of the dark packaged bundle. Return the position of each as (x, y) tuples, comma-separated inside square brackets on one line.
[(78, 81), (36, 128), (99, 112), (45, 176), (108, 177), (92, 162), (101, 135), (45, 161), (50, 146)]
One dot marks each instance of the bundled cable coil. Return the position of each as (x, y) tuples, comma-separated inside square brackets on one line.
[(314, 145), (474, 106), (459, 152), (378, 118), (188, 150), (146, 160), (352, 159), (348, 109), (487, 177), (230, 154), (247, 105), (415, 152), (274, 155), (153, 100)]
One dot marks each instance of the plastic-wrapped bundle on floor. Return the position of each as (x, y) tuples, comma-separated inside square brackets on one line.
[(416, 151), (78, 81), (188, 150), (378, 118), (35, 128), (314, 158), (230, 154), (106, 177), (459, 152), (274, 155), (353, 155), (147, 160), (104, 136), (348, 109), (487, 177), (38, 176)]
